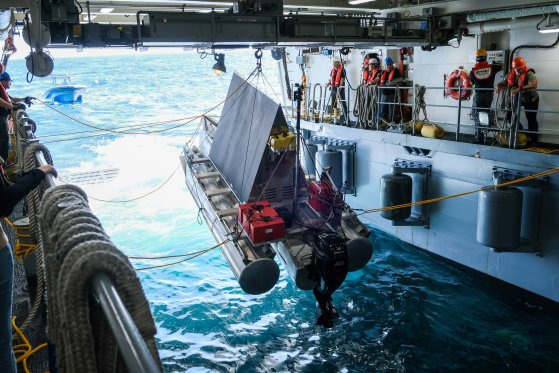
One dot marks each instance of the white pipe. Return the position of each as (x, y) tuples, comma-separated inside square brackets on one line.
[(506, 25), (512, 13)]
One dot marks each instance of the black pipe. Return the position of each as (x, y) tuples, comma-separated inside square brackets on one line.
[(526, 46)]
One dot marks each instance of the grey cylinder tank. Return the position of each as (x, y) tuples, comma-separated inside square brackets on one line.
[(347, 169), (333, 159), (499, 216), (309, 158), (395, 189)]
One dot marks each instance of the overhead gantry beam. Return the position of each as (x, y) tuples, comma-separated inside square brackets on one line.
[(240, 25)]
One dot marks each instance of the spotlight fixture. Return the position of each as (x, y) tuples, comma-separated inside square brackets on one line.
[(357, 2), (219, 66), (548, 28)]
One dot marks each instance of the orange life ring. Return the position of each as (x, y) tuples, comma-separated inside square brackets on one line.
[(458, 78)]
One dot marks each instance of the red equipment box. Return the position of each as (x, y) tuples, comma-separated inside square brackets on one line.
[(261, 222)]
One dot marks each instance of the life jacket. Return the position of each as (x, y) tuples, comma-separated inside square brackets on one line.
[(336, 76), (373, 76), (387, 76), (482, 70), (521, 79), (365, 76)]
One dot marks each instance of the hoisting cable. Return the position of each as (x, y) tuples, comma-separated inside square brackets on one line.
[(187, 259), (120, 129), (438, 199), (139, 197), (161, 185), (24, 350), (191, 118)]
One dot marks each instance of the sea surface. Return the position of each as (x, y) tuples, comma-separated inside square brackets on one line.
[(406, 311)]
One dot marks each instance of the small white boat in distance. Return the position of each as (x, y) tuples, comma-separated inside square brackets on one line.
[(64, 92)]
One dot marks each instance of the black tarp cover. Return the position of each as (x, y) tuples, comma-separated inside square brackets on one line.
[(242, 134)]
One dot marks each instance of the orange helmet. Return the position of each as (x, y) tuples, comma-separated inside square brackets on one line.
[(518, 63)]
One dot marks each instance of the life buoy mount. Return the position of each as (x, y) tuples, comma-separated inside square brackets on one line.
[(458, 78)]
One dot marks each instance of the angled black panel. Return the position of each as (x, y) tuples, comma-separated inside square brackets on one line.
[(242, 134)]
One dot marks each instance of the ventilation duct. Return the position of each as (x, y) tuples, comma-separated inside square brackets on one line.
[(512, 13), (507, 24)]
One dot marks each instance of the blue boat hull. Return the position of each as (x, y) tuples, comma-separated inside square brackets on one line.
[(65, 94)]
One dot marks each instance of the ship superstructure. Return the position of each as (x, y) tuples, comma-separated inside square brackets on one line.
[(414, 172), (433, 45)]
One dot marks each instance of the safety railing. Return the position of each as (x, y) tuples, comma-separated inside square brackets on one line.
[(511, 117), (131, 344), (317, 99)]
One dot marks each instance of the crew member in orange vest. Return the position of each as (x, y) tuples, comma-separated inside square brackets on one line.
[(7, 103), (483, 76), (390, 77), (373, 72), (366, 60), (524, 82), (337, 84)]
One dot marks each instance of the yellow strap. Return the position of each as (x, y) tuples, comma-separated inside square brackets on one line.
[(24, 350), (9, 223)]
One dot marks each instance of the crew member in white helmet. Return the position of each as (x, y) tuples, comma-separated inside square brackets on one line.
[(337, 83)]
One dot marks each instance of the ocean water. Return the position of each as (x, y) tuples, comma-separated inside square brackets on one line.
[(406, 311)]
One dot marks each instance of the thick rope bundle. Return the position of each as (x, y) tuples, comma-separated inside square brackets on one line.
[(365, 106), (33, 201), (76, 249), (420, 105), (505, 109)]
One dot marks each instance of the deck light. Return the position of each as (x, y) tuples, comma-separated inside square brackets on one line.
[(219, 66), (548, 28), (356, 2)]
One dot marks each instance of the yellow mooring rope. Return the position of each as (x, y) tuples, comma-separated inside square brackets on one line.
[(23, 351), (438, 199)]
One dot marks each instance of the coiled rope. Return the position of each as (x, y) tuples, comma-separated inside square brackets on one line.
[(420, 104), (365, 106), (33, 201), (505, 112), (77, 248)]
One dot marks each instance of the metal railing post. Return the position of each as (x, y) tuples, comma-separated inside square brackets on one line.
[(131, 345), (414, 117), (459, 113), (518, 112), (379, 111)]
